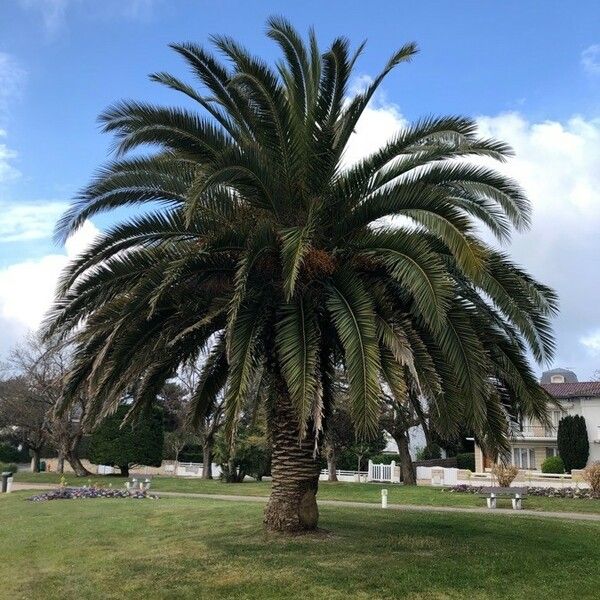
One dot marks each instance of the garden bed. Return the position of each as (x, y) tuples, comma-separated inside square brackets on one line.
[(66, 493), (546, 492)]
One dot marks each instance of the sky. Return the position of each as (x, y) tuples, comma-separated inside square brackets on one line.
[(529, 72)]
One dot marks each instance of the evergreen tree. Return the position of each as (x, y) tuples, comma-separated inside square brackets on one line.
[(572, 439), (123, 445)]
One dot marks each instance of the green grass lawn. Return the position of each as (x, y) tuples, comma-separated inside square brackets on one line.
[(356, 492), (192, 548)]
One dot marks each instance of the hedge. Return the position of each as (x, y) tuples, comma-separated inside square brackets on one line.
[(466, 460)]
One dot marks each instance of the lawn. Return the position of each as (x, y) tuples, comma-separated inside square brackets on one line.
[(355, 492), (193, 548)]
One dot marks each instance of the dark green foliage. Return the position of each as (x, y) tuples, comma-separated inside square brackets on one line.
[(429, 452), (385, 459), (553, 464), (572, 440), (466, 460), (9, 454), (250, 455), (140, 443), (8, 467)]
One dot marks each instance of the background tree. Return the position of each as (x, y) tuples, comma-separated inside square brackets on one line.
[(24, 412), (191, 380), (259, 243), (339, 437), (122, 444), (250, 455), (398, 419), (572, 441), (41, 365)]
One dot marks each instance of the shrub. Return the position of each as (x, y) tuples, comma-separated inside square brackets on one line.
[(572, 440), (139, 443), (466, 460), (8, 467), (592, 475), (553, 464), (385, 459), (505, 474), (9, 454), (430, 451)]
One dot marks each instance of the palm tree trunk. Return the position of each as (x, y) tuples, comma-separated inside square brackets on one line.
[(292, 505)]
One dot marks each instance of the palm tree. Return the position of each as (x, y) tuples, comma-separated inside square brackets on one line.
[(259, 245)]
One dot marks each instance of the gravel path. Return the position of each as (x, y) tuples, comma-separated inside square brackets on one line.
[(568, 516)]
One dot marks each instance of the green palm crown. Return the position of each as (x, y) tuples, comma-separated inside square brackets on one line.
[(259, 247)]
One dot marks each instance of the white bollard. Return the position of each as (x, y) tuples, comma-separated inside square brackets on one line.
[(9, 483), (384, 494)]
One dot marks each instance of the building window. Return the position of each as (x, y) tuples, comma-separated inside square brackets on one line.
[(524, 458), (551, 451), (557, 379)]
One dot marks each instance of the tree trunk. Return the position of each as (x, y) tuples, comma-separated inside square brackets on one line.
[(407, 470), (60, 464), (292, 505), (207, 460), (124, 470), (76, 465), (35, 460), (331, 468)]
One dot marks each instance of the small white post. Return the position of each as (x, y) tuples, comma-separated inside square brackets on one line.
[(384, 494), (370, 471), (491, 501), (393, 465), (9, 483)]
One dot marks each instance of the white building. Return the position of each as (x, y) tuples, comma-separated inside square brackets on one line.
[(533, 443)]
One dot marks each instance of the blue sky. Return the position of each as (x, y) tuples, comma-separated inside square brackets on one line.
[(529, 70)]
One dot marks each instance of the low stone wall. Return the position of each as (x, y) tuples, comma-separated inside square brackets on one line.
[(52, 467)]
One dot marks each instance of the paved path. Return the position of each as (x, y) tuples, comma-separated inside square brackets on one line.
[(407, 507), (569, 516)]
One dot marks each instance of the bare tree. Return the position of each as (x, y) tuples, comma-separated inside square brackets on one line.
[(188, 378), (24, 413), (41, 366), (398, 418)]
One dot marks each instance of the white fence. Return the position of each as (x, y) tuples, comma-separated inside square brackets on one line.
[(440, 476), (381, 472), (190, 469), (357, 476)]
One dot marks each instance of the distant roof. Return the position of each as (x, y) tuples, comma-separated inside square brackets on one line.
[(569, 376), (573, 390)]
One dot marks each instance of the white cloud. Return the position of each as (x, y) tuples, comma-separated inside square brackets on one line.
[(7, 170), (27, 288), (55, 13), (22, 222), (592, 343), (590, 59), (557, 164), (12, 78)]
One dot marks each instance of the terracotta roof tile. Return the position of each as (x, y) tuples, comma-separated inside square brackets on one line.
[(573, 390)]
